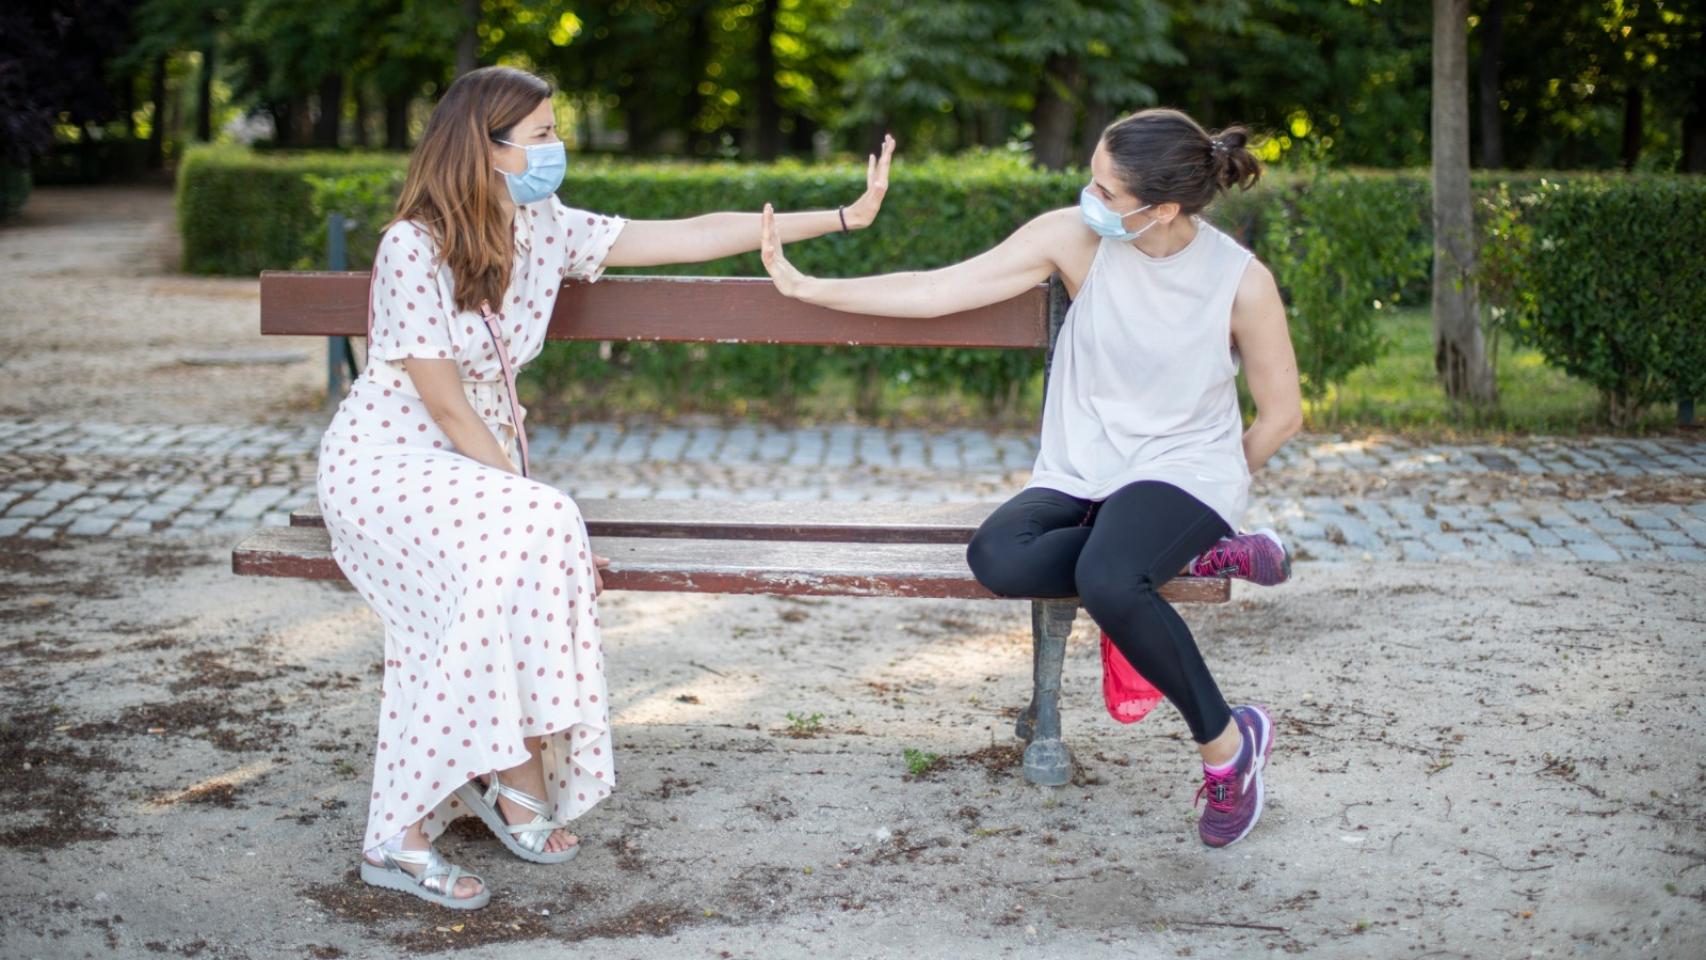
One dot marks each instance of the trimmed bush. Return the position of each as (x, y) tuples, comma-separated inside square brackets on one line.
[(1617, 271), (242, 212)]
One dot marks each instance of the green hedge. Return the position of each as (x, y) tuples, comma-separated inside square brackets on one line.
[(1614, 285), (1345, 246), (242, 212)]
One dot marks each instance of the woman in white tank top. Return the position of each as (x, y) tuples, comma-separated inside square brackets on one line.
[(1145, 460)]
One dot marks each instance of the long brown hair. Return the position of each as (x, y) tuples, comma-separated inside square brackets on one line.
[(449, 188), (1164, 156)]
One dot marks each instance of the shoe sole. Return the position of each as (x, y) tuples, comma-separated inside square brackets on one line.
[(1265, 737), (469, 794), (1267, 580), (378, 876)]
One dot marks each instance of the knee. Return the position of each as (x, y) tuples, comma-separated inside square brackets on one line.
[(995, 567), (1105, 591)]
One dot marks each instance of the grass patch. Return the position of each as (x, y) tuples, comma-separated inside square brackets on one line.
[(1400, 392)]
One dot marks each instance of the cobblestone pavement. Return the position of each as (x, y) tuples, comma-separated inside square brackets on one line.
[(1588, 499)]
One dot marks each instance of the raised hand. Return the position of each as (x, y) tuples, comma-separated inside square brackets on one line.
[(863, 211), (783, 273)]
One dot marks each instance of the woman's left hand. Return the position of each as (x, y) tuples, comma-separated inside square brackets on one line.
[(862, 212), (598, 564)]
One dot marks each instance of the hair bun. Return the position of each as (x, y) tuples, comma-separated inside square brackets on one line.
[(1234, 164)]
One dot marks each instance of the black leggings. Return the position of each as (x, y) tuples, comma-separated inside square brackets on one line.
[(1113, 555)]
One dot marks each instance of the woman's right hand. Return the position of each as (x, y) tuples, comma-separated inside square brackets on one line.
[(787, 278)]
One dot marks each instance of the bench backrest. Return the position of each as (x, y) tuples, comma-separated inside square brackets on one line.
[(679, 309)]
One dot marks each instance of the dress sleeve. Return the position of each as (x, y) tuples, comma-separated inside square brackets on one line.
[(586, 238), (410, 318)]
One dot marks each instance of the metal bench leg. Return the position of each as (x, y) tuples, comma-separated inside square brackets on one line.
[(1026, 725), (1047, 761)]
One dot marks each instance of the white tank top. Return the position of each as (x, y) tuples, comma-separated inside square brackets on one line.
[(1143, 382)]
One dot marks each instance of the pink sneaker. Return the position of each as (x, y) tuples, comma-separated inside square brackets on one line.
[(1258, 557)]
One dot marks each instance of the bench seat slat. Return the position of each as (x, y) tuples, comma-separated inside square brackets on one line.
[(676, 309), (756, 520), (720, 566)]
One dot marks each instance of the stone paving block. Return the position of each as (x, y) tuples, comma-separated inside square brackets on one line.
[(90, 526), (155, 511), (1595, 550), (1445, 543), (1415, 550), (1683, 554), (133, 528), (1513, 543), (12, 526), (1673, 537), (807, 449), (33, 508), (1543, 537), (42, 532)]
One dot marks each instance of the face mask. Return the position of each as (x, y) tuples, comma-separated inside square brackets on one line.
[(544, 174), (1107, 223)]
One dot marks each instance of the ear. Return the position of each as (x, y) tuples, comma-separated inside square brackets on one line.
[(1166, 212)]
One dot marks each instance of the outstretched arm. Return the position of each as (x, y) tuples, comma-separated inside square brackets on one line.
[(1018, 263), (1270, 364), (650, 243)]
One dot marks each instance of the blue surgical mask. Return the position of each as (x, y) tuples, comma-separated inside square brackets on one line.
[(546, 163), (1107, 223)]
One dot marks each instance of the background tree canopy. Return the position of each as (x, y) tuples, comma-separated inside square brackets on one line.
[(1584, 84)]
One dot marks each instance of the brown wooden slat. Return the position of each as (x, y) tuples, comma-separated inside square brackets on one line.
[(712, 566), (681, 309), (759, 520)]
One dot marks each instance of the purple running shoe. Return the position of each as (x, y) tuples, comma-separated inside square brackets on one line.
[(1258, 557), (1235, 796)]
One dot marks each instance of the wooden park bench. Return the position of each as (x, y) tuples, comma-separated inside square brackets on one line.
[(792, 549)]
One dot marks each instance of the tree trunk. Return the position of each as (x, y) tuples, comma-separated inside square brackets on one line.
[(359, 96), (204, 96), (1633, 103), (769, 113), (1487, 84), (1055, 109), (1459, 352), (157, 126), (396, 121), (331, 111), (1097, 116), (1694, 128), (468, 43), (698, 58), (297, 113)]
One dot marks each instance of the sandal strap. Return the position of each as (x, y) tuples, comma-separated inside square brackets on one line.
[(439, 875), (532, 803)]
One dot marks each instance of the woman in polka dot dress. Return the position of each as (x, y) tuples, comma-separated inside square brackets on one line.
[(493, 697)]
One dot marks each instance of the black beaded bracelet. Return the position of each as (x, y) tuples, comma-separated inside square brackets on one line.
[(842, 213)]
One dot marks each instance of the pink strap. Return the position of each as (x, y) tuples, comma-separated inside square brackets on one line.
[(489, 319)]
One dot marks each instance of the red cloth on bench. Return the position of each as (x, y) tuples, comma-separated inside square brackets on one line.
[(1128, 695)]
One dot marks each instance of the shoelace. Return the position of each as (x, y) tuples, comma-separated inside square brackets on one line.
[(1220, 560), (1217, 787)]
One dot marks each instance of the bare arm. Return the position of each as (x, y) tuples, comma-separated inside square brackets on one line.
[(440, 387), (1270, 364), (649, 243), (1014, 266)]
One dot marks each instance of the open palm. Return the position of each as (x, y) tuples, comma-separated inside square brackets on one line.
[(863, 211)]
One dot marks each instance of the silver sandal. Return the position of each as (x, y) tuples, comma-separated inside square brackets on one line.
[(525, 840), (435, 884)]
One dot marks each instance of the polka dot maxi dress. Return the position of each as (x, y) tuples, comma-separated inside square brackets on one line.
[(483, 579)]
